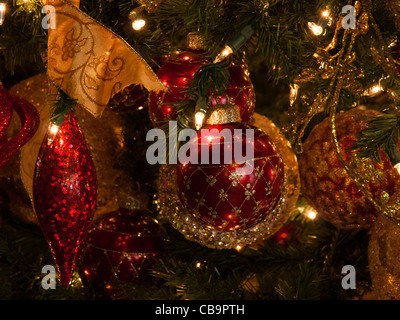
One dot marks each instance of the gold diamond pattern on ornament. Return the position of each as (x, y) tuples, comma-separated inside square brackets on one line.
[(248, 189)]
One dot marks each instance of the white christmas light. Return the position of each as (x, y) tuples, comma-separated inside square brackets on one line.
[(2, 12), (397, 167), (138, 24), (294, 89), (316, 29), (223, 54), (199, 118), (310, 213), (325, 13), (53, 129)]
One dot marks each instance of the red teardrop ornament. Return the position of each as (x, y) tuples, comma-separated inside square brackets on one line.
[(64, 193)]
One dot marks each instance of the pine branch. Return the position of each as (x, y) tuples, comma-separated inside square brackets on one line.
[(61, 106), (382, 133)]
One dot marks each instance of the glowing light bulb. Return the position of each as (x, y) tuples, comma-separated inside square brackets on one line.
[(310, 213), (53, 129), (2, 12), (325, 13), (138, 24), (223, 54), (294, 89), (316, 29), (198, 119), (397, 167), (374, 90)]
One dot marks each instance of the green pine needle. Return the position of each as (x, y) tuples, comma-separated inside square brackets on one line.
[(382, 133)]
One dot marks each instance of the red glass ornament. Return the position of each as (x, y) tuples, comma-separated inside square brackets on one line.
[(325, 183), (64, 193), (29, 121), (131, 98), (217, 196), (176, 73), (119, 247)]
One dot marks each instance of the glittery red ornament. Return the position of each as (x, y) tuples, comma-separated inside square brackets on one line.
[(218, 195), (120, 247), (29, 121), (131, 98), (176, 73), (64, 192), (326, 184)]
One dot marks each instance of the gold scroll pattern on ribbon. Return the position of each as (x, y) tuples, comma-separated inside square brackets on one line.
[(90, 62)]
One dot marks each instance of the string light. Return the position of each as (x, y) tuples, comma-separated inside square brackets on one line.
[(199, 118), (238, 40), (53, 129), (138, 24), (294, 89), (375, 89), (325, 13), (2, 12), (137, 18), (316, 29), (226, 52), (397, 167), (310, 213), (320, 27)]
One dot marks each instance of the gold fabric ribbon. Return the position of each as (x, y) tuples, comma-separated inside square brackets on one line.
[(91, 63)]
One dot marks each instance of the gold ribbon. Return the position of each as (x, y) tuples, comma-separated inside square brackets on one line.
[(91, 63)]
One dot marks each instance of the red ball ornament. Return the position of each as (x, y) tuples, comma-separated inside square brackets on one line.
[(325, 182), (120, 247), (131, 98), (220, 195), (176, 73), (29, 121), (64, 192)]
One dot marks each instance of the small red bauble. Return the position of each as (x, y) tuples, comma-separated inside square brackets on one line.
[(120, 247), (64, 192), (176, 73), (217, 195), (325, 182)]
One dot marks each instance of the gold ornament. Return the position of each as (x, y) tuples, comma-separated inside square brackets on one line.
[(170, 207), (104, 138), (195, 41)]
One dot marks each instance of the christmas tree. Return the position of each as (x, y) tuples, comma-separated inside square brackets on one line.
[(111, 185)]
